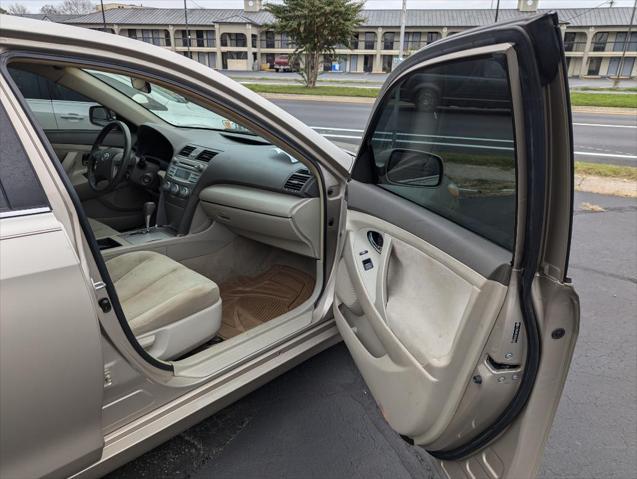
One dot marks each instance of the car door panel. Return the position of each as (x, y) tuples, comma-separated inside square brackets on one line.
[(446, 320), (424, 310)]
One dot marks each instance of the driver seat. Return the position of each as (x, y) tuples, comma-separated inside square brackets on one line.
[(170, 308), (101, 230)]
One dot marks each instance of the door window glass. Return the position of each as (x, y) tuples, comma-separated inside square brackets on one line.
[(461, 113)]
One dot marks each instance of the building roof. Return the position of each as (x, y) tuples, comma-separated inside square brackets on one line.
[(50, 17), (583, 17), (478, 17), (173, 16)]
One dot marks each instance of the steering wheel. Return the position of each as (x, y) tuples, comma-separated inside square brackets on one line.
[(107, 166)]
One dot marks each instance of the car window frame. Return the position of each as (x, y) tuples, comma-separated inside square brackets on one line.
[(364, 168)]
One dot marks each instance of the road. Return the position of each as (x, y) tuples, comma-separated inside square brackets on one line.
[(319, 421), (599, 138)]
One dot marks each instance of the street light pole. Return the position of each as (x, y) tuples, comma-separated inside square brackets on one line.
[(497, 11), (187, 29), (103, 15), (626, 43), (403, 15)]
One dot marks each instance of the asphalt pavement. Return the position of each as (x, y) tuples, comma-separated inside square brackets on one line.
[(319, 421), (598, 138)]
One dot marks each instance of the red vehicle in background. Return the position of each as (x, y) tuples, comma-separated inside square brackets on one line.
[(284, 63)]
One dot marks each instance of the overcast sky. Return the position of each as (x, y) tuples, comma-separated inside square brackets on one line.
[(34, 5)]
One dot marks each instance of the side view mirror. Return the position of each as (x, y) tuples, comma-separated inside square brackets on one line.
[(100, 116), (414, 168)]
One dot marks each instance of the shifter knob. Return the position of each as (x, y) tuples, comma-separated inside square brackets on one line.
[(149, 209)]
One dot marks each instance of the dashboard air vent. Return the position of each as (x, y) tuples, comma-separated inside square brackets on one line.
[(297, 180), (186, 150), (206, 155)]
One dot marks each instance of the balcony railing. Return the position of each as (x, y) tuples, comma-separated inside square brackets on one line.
[(616, 46), (574, 46), (276, 43), (196, 42), (158, 41), (410, 45)]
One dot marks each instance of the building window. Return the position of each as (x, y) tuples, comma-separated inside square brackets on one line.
[(432, 37), (387, 63), (368, 63), (569, 41), (413, 41), (233, 40), (388, 41), (253, 40), (620, 42), (627, 67), (156, 37), (370, 41), (593, 66), (353, 63), (132, 33), (268, 41), (599, 41)]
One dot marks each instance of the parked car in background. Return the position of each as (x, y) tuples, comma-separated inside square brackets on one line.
[(285, 63)]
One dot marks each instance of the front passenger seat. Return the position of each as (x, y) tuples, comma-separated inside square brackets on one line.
[(170, 308)]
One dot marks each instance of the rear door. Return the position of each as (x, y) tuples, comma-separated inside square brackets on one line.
[(51, 365), (451, 292)]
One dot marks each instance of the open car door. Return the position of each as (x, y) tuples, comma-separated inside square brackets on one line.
[(451, 293)]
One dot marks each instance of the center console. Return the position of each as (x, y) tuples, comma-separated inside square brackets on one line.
[(182, 176)]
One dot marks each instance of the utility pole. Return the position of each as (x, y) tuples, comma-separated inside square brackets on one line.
[(187, 29), (103, 15), (497, 11), (403, 17), (626, 42)]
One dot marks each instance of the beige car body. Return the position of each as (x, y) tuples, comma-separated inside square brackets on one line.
[(93, 403)]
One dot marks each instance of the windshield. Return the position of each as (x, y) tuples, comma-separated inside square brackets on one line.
[(171, 107)]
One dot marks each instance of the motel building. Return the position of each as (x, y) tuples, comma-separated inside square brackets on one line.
[(238, 39)]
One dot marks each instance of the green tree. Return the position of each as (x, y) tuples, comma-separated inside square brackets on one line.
[(316, 27)]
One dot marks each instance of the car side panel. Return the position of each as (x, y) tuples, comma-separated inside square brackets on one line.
[(51, 372)]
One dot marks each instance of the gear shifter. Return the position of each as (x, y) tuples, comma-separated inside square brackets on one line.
[(149, 209)]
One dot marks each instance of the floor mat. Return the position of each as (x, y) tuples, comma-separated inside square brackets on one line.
[(251, 301)]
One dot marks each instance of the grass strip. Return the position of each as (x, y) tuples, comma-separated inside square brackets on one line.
[(319, 90), (607, 171), (578, 98), (614, 100)]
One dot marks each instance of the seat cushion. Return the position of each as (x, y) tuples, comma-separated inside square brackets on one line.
[(155, 290), (101, 230)]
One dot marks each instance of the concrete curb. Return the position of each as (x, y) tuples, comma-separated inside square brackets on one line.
[(605, 110), (606, 186)]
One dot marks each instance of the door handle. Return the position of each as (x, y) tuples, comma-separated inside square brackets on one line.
[(72, 116)]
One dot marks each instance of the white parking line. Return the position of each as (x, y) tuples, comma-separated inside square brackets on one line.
[(605, 155), (358, 137), (605, 126), (470, 138)]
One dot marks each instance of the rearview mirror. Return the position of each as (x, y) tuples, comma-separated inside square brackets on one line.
[(413, 168), (140, 85), (100, 116)]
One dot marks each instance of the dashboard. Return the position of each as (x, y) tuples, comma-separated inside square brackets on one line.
[(195, 159)]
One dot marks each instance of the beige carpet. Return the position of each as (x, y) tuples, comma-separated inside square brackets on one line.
[(251, 301)]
